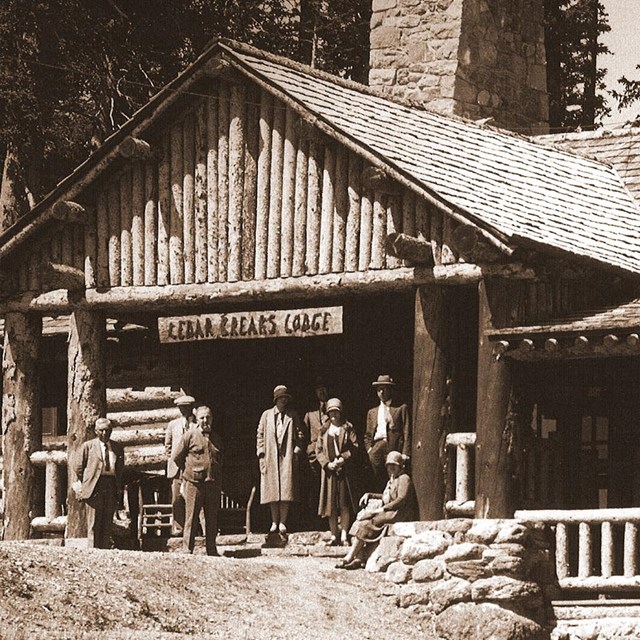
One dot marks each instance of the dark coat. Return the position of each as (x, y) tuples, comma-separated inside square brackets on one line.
[(279, 482), (314, 422), (332, 482), (89, 463), (398, 432)]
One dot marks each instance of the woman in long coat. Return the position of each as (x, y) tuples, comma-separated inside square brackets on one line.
[(279, 442), (335, 448)]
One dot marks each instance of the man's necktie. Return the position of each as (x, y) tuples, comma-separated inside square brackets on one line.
[(107, 458)]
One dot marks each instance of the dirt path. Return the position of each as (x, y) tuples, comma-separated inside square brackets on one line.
[(48, 592)]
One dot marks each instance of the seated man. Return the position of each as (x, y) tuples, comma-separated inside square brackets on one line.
[(395, 504)]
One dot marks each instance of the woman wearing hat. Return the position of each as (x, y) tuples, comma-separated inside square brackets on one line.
[(335, 447), (279, 442), (395, 504)]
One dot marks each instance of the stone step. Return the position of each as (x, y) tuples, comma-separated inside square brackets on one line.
[(299, 543)]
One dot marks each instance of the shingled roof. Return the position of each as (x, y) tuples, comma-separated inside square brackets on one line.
[(526, 192), (617, 147), (522, 192)]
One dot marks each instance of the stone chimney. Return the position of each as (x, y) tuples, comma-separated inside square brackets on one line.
[(473, 58)]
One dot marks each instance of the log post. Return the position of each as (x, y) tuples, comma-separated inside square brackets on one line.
[(86, 397), (499, 305), (21, 419), (430, 371), (52, 493)]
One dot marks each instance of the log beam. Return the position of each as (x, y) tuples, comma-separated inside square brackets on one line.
[(136, 149), (86, 397), (376, 179), (470, 244), (21, 419), (414, 250), (70, 212), (499, 304), (62, 276), (364, 283)]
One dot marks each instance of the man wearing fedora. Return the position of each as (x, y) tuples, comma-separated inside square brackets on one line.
[(279, 443), (388, 429), (175, 430), (315, 420)]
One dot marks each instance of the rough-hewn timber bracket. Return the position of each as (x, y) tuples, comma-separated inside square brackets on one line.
[(62, 276), (376, 179), (136, 149), (564, 346), (471, 245), (414, 250), (70, 212)]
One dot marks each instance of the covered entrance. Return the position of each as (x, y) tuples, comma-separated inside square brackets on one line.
[(236, 377)]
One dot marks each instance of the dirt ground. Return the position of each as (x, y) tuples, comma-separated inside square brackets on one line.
[(63, 593)]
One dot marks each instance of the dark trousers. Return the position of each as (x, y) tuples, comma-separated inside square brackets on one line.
[(177, 504), (201, 496), (378, 457), (99, 510)]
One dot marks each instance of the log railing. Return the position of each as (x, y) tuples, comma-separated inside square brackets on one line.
[(580, 566), (460, 499)]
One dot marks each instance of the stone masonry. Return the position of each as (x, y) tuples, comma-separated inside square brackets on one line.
[(473, 58), (467, 574)]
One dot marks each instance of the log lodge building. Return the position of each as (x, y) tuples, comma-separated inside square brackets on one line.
[(259, 222)]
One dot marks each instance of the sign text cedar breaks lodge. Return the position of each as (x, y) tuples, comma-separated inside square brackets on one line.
[(293, 323)]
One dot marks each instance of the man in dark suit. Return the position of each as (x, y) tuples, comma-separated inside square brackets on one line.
[(199, 459), (388, 429), (314, 421), (99, 468)]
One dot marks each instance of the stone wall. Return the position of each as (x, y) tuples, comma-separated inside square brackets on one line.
[(473, 58), (463, 571)]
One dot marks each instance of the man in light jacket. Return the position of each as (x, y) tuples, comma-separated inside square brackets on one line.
[(199, 458), (175, 430), (99, 468)]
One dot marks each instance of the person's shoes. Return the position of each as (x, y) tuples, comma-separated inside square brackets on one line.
[(342, 564), (333, 542), (282, 529), (354, 564)]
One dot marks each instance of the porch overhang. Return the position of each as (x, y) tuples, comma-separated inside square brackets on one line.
[(612, 331), (165, 297)]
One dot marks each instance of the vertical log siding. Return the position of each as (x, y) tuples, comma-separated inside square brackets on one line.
[(238, 189)]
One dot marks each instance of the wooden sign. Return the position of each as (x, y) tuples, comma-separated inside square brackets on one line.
[(294, 323)]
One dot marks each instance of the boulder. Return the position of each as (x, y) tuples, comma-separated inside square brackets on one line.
[(427, 570), (412, 594), (508, 565), (506, 589), (483, 531), (483, 621), (469, 569), (399, 572), (455, 525), (509, 549), (386, 552), (424, 545), (464, 551), (444, 593), (513, 532)]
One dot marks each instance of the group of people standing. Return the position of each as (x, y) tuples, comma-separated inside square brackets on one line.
[(318, 458), (320, 455)]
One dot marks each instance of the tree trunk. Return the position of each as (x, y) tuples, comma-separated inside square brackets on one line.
[(499, 306), (430, 373), (21, 419), (86, 398), (307, 36), (13, 200)]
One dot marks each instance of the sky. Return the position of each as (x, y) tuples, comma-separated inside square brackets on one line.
[(624, 42)]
